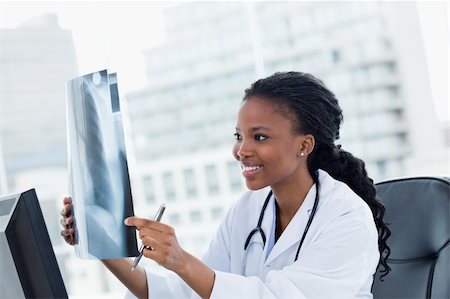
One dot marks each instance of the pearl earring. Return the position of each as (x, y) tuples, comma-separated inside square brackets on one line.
[(302, 154)]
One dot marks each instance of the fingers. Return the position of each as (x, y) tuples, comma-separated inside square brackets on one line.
[(158, 239), (66, 210), (68, 207), (67, 200), (165, 252), (150, 244), (67, 221), (141, 222), (144, 232), (68, 235), (67, 232)]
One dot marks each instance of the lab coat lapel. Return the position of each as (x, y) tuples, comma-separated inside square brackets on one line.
[(253, 262), (256, 254), (294, 231)]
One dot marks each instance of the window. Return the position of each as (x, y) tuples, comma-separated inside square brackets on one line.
[(217, 213), (169, 187), (402, 139), (174, 219), (336, 55), (195, 216), (381, 167), (234, 176), (397, 115), (212, 180), (149, 189), (400, 165), (190, 182)]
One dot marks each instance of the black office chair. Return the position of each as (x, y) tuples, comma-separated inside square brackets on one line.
[(418, 210)]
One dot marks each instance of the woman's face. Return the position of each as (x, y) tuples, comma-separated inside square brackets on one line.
[(266, 145)]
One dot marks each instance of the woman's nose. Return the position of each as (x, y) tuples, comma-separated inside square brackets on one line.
[(244, 150)]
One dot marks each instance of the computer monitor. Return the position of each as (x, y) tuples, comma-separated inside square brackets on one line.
[(28, 267)]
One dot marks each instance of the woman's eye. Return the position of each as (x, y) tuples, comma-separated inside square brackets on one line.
[(260, 137), (237, 136)]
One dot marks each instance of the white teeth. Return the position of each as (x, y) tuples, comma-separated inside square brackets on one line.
[(250, 168)]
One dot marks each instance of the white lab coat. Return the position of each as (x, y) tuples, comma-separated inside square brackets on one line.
[(337, 260)]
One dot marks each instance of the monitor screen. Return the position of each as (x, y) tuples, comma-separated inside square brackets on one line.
[(28, 266)]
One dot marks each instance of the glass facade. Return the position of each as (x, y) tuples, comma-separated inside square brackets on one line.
[(149, 189), (212, 179), (169, 187)]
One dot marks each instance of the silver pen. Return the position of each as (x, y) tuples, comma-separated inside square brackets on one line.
[(158, 217)]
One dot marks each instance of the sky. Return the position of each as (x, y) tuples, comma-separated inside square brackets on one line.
[(107, 34), (113, 34)]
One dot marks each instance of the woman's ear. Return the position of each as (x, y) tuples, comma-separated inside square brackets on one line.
[(306, 145)]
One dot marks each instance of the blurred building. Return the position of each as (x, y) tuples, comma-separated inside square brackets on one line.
[(36, 60), (369, 53)]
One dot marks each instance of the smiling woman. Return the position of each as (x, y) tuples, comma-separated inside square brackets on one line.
[(319, 226), (266, 145)]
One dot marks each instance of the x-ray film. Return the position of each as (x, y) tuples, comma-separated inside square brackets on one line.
[(98, 172)]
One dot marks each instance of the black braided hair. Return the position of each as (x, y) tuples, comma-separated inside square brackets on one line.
[(315, 110)]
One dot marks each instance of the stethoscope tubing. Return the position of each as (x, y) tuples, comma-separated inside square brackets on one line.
[(261, 217)]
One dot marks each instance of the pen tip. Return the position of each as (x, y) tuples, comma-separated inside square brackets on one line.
[(132, 268)]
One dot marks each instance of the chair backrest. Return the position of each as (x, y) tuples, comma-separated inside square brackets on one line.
[(418, 212)]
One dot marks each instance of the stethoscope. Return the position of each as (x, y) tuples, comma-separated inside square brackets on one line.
[(261, 216)]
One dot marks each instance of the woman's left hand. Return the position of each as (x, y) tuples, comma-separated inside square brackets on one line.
[(160, 243)]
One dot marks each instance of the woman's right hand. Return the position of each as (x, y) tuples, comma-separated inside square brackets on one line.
[(67, 221)]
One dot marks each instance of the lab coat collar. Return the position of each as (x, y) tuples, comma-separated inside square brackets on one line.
[(294, 231), (257, 250), (267, 222)]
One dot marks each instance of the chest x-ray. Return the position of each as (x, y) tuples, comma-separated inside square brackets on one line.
[(98, 172)]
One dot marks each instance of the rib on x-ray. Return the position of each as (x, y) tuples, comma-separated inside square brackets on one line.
[(98, 172)]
